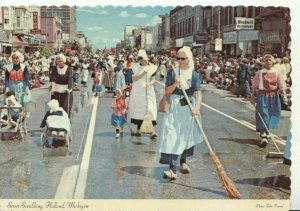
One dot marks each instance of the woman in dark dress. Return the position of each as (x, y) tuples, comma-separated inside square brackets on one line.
[(62, 83)]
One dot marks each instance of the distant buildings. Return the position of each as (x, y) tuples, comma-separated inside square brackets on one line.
[(33, 27), (229, 30)]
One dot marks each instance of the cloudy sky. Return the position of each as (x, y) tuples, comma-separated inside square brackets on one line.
[(104, 26)]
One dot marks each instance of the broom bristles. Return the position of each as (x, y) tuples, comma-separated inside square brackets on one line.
[(229, 186)]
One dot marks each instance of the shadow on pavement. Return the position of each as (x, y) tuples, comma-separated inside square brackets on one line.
[(202, 189), (281, 182), (242, 141), (157, 172), (152, 172), (107, 134)]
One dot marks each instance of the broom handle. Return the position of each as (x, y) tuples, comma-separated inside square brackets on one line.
[(197, 120), (268, 130)]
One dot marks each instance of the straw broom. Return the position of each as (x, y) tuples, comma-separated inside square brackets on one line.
[(228, 185)]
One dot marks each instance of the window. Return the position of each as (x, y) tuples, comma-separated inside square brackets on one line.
[(49, 14), (192, 24), (18, 21), (186, 27), (60, 14), (230, 15), (236, 12), (6, 21), (257, 11), (189, 25), (243, 11), (250, 12)]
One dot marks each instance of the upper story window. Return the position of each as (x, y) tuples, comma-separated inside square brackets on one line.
[(18, 21)]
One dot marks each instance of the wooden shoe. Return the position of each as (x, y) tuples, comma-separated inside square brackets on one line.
[(263, 142), (170, 175), (185, 169), (153, 135)]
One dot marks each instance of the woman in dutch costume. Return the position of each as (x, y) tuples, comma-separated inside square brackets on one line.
[(266, 85), (142, 97), (62, 83), (179, 133), (17, 78)]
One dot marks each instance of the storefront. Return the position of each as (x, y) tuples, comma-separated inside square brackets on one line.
[(5, 46), (271, 43), (248, 42), (19, 42), (229, 42)]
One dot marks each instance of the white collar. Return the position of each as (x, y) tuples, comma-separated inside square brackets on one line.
[(62, 71)]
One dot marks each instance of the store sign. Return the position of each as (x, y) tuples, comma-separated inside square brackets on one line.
[(200, 38), (218, 44), (244, 23), (230, 37), (179, 42), (188, 41), (248, 36), (271, 37), (35, 20)]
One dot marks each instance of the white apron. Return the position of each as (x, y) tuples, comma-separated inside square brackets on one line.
[(138, 100)]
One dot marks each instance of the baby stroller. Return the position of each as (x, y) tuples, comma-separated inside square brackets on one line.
[(57, 129), (13, 121), (58, 139)]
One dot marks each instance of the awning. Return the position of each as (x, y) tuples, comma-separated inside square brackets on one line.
[(6, 44), (18, 41)]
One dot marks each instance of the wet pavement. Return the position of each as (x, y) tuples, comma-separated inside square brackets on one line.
[(128, 168)]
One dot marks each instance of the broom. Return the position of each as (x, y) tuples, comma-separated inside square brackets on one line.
[(147, 126), (277, 154), (228, 185)]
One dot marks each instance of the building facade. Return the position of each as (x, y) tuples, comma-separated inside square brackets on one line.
[(68, 18)]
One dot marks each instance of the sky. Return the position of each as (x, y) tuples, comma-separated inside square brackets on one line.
[(104, 26)]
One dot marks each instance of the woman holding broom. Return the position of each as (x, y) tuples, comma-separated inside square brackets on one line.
[(179, 132), (142, 97), (266, 84)]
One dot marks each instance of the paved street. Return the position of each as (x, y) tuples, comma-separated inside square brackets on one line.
[(101, 167)]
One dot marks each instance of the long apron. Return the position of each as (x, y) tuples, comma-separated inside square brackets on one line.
[(19, 88), (140, 96), (179, 128), (269, 106)]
